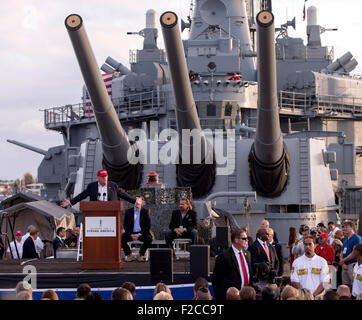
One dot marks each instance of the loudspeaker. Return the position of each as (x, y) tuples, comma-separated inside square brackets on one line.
[(161, 264), (222, 236), (200, 261)]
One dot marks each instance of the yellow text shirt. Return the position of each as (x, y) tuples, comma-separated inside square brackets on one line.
[(310, 272)]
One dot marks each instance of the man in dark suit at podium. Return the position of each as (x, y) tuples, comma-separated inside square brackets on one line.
[(101, 190), (137, 225), (183, 223)]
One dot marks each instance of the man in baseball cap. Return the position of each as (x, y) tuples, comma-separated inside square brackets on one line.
[(323, 249), (101, 190), (15, 250), (102, 173)]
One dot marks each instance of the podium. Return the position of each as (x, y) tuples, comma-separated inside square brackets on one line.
[(101, 234)]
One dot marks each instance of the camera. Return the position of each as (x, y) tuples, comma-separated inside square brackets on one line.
[(265, 272)]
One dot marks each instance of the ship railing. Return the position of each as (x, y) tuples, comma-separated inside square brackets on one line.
[(320, 104), (206, 123), (134, 56), (293, 100), (339, 104), (130, 106)]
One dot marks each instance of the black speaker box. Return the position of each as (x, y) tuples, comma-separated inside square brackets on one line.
[(223, 236), (161, 264), (200, 261)]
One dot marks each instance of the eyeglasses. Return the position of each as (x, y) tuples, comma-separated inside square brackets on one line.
[(243, 238)]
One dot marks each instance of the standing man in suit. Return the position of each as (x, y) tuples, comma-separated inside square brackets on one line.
[(137, 225), (29, 251), (232, 267), (183, 223), (279, 251), (262, 251), (101, 190), (58, 241)]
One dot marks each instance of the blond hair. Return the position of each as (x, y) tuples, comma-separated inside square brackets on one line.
[(188, 202)]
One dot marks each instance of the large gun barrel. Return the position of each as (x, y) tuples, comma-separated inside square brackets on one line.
[(268, 159), (115, 143), (29, 147), (195, 156)]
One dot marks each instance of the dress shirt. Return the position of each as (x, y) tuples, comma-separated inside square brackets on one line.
[(102, 190), (136, 224), (262, 243), (237, 255)]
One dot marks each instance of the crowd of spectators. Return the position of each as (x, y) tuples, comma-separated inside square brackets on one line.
[(29, 246)]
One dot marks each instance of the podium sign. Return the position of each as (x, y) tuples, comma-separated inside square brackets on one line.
[(100, 226), (101, 234)]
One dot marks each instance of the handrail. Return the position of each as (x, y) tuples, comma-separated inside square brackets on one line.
[(129, 105), (319, 103)]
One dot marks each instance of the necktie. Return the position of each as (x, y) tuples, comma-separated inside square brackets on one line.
[(243, 268), (266, 250)]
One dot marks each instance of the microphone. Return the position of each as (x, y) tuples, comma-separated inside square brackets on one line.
[(104, 197), (99, 196)]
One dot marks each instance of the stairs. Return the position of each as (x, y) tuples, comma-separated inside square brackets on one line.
[(305, 192), (89, 163)]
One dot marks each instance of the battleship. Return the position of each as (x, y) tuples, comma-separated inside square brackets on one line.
[(316, 100), (243, 119)]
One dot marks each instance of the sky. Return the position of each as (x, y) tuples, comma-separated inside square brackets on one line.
[(38, 67)]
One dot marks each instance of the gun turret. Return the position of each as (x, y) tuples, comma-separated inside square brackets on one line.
[(115, 143), (26, 146), (196, 168), (268, 158)]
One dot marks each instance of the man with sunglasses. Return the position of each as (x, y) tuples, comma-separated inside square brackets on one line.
[(232, 267)]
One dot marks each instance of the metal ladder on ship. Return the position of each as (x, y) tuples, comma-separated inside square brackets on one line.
[(80, 243)]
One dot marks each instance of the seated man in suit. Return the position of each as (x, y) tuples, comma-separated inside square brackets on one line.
[(29, 251), (58, 241), (101, 190), (137, 225), (232, 267), (70, 238), (183, 223), (262, 251)]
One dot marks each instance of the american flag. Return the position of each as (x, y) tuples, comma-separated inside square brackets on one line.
[(88, 107), (304, 10)]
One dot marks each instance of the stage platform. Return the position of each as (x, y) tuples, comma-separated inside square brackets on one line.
[(67, 273)]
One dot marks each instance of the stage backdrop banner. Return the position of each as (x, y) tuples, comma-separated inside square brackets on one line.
[(100, 227)]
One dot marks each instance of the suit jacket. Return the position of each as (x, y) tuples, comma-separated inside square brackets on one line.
[(57, 243), (112, 191), (279, 251), (145, 221), (258, 255), (226, 273), (189, 221), (29, 251)]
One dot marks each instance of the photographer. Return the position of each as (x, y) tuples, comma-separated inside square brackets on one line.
[(264, 274)]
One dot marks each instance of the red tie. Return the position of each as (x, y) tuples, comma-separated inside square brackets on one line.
[(243, 267), (267, 250)]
